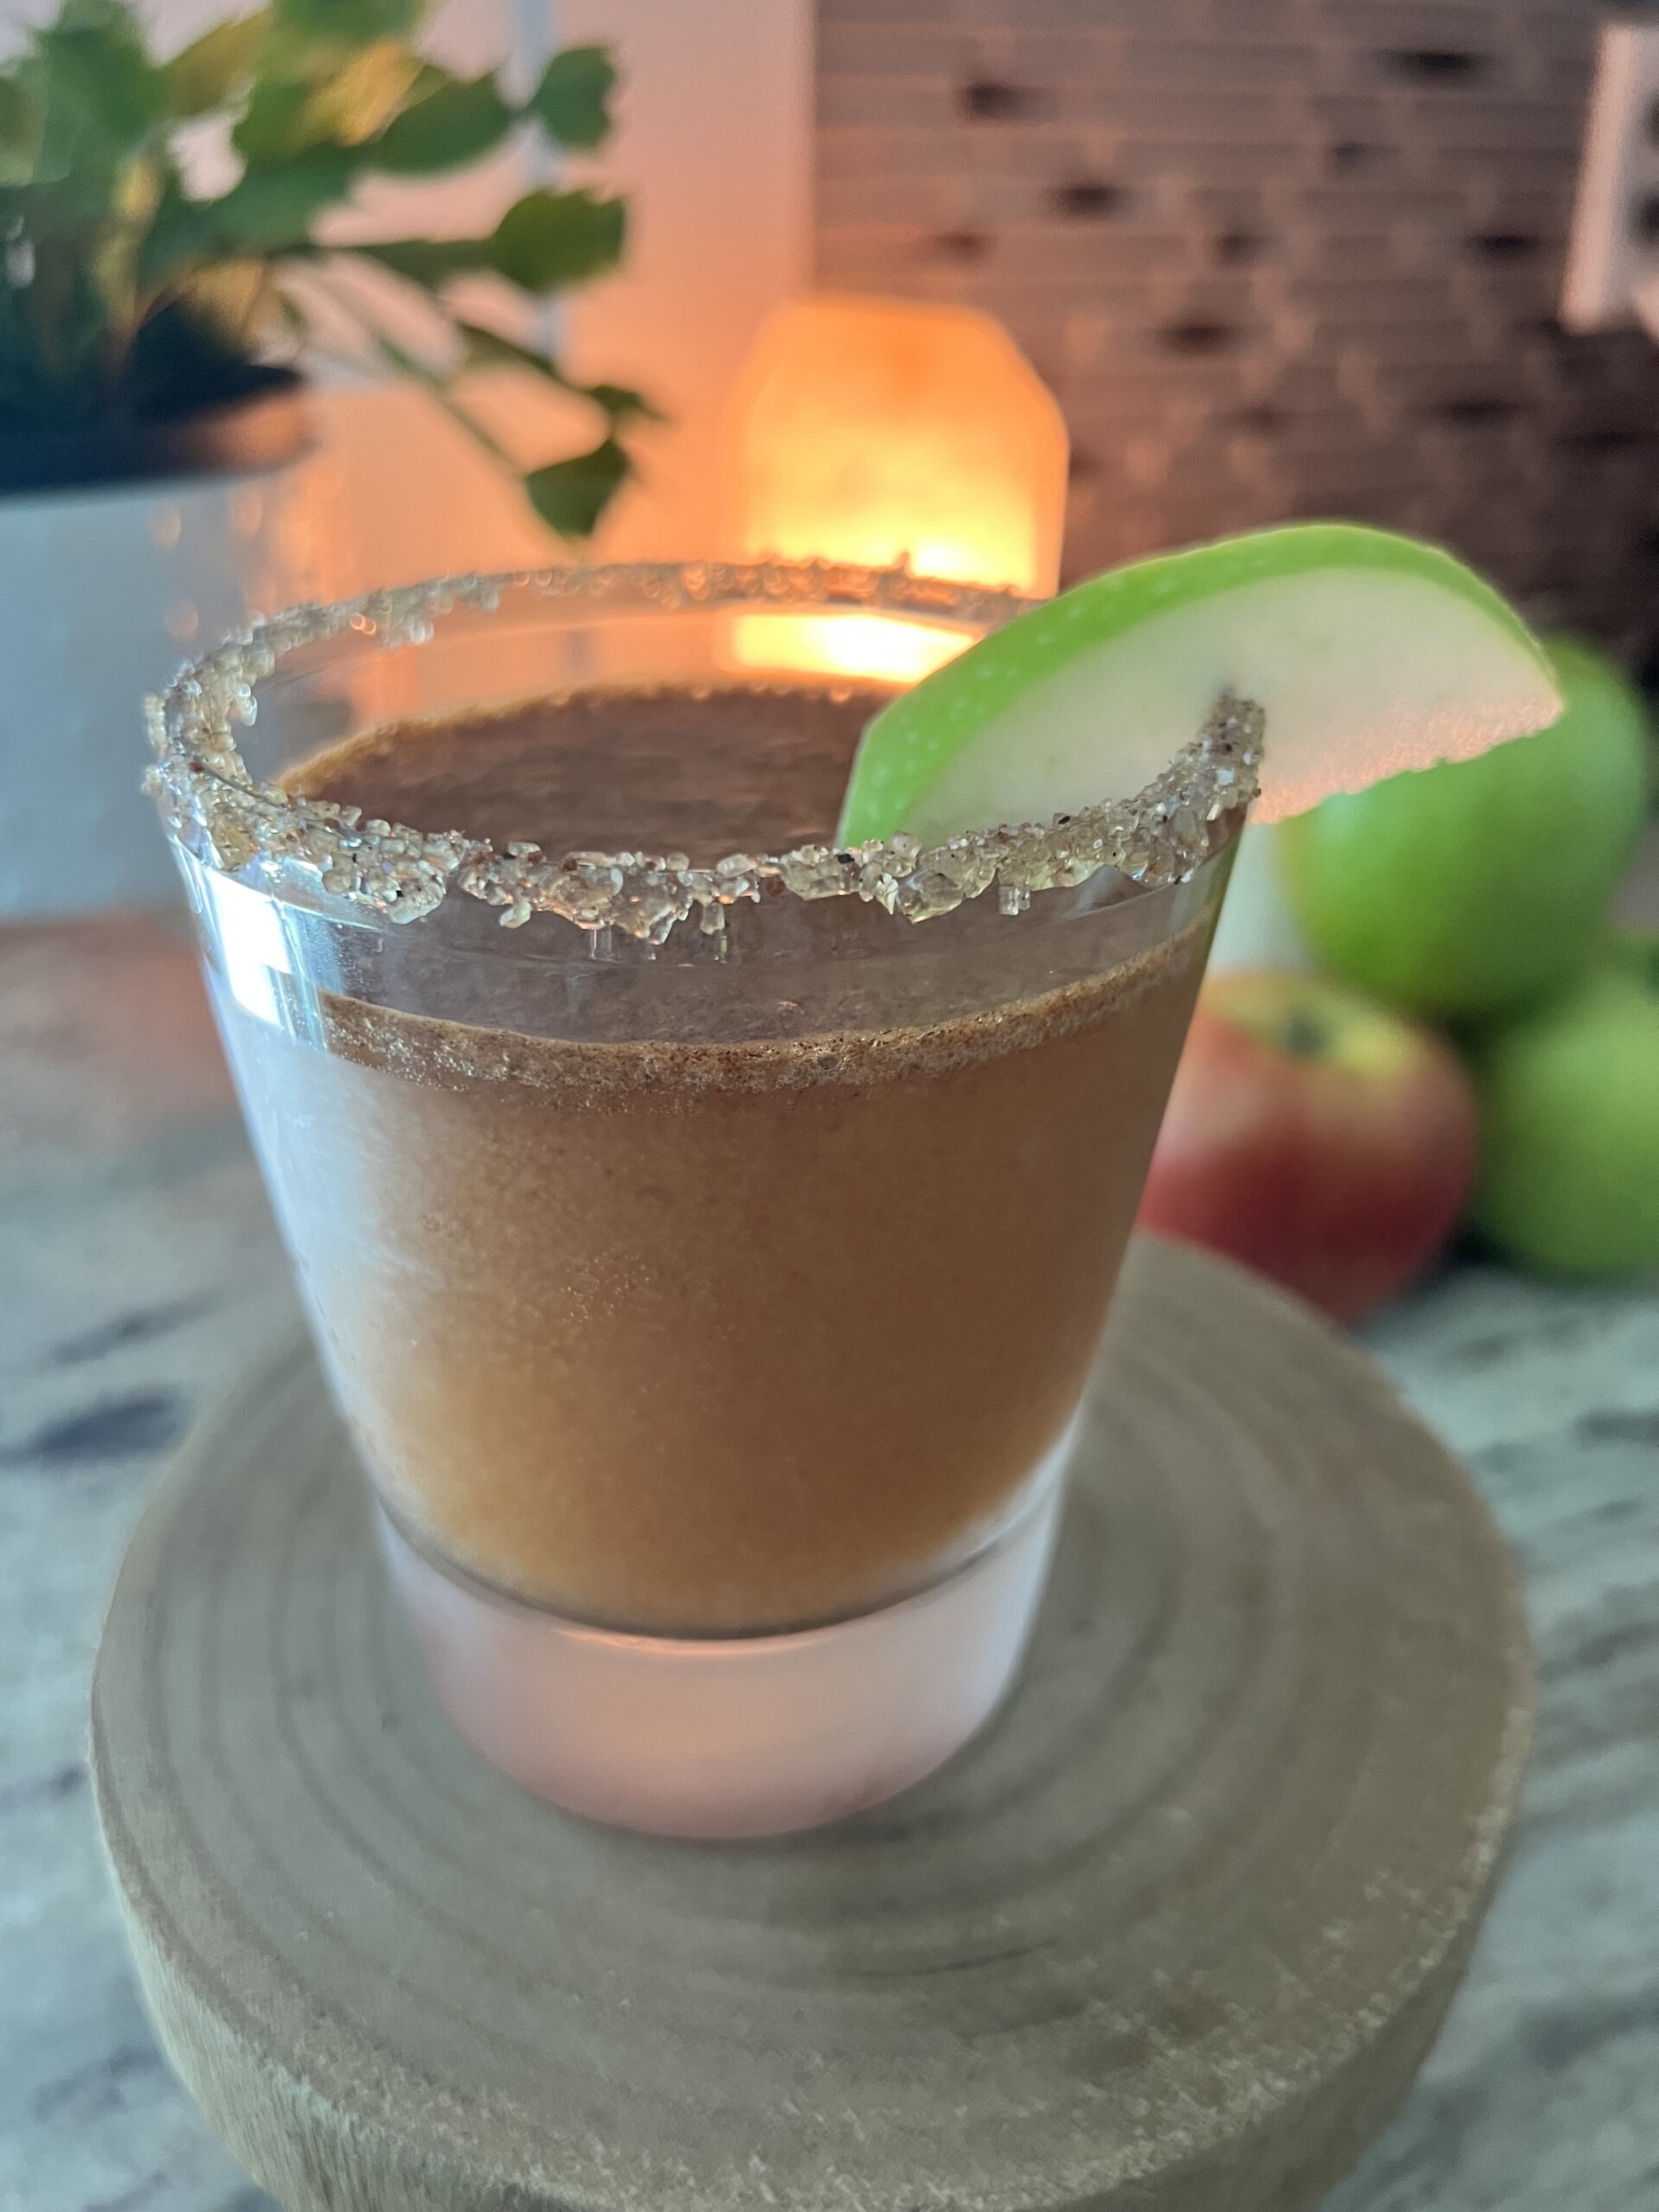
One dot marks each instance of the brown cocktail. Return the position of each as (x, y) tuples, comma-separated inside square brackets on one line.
[(709, 1269)]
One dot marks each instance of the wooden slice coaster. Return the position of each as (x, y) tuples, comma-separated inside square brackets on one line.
[(1175, 1933)]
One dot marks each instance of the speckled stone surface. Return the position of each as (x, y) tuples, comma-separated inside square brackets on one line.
[(139, 1274)]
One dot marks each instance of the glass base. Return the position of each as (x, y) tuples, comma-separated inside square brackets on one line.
[(712, 1738)]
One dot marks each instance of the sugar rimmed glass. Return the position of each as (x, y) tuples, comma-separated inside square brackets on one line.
[(708, 1264)]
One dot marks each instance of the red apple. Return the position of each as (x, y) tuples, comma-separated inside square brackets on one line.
[(1314, 1136)]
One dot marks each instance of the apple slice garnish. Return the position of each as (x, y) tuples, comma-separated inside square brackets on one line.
[(1369, 653)]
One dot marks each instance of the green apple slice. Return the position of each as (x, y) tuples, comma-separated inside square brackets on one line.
[(1369, 653)]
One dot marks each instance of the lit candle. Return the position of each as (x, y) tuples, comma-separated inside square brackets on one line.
[(881, 430)]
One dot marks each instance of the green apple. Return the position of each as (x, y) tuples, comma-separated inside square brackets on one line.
[(1368, 653), (1569, 1102), (1475, 887)]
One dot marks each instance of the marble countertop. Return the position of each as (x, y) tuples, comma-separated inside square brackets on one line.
[(139, 1274)]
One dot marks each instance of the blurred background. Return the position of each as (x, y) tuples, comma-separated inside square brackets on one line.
[(1015, 288)]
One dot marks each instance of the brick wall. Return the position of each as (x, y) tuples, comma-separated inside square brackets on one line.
[(1276, 257)]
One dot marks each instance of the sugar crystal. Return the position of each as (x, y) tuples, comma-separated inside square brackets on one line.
[(213, 806)]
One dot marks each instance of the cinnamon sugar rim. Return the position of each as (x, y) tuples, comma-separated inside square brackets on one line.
[(212, 804)]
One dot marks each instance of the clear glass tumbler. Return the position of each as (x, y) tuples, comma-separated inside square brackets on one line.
[(709, 1264)]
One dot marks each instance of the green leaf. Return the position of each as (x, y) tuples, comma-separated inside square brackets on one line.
[(549, 238), (103, 97), (570, 495), (102, 16), (570, 102), (114, 247), (269, 128), (427, 261), (270, 210), (204, 74), (345, 107), (487, 349), (491, 349), (22, 115), (136, 192), (544, 240), (348, 22), (176, 234), (452, 122), (622, 404), (363, 96), (360, 100)]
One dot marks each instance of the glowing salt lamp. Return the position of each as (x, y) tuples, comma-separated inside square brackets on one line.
[(881, 430)]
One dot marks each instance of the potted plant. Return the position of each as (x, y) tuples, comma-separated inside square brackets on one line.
[(152, 343)]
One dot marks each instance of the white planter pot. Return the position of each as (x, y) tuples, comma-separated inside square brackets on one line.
[(103, 593)]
